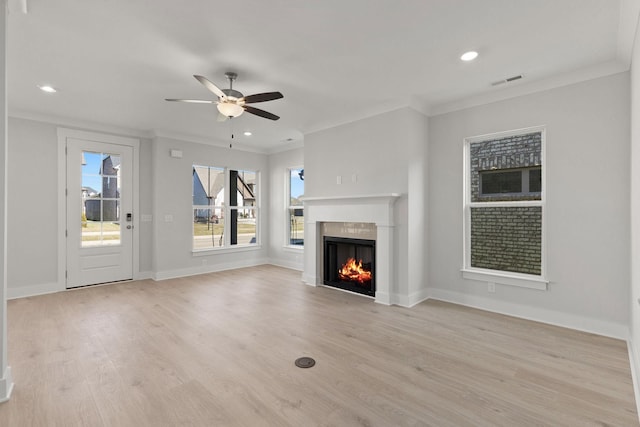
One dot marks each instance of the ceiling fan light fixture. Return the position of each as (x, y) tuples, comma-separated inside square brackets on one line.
[(230, 109)]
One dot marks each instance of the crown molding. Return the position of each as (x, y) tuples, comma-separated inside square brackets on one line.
[(79, 124), (520, 89)]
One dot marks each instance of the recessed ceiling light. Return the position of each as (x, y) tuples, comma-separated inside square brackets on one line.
[(469, 56), (47, 88), (247, 133)]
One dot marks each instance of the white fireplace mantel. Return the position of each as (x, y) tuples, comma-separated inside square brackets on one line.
[(377, 209)]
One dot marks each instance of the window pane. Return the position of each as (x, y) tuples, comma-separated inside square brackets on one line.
[(505, 157), (501, 182), (296, 227), (535, 180), (246, 187), (296, 186), (245, 227), (507, 239), (208, 227), (208, 186)]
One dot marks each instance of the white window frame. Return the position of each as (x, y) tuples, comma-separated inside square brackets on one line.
[(226, 241), (497, 276)]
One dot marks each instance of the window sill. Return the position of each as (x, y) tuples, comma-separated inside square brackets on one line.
[(506, 278), (293, 248), (220, 250)]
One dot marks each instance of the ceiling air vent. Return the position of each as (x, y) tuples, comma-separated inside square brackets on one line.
[(507, 80)]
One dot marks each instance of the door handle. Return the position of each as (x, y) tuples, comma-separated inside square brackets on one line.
[(129, 227)]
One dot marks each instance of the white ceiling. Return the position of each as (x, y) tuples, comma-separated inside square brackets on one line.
[(114, 61)]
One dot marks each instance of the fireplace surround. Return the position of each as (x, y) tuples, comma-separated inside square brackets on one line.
[(376, 210)]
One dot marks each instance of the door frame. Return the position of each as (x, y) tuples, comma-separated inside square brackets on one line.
[(134, 143)]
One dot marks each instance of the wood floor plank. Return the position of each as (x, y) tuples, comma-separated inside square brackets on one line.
[(218, 349)]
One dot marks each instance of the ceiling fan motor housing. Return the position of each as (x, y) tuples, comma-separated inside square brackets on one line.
[(232, 93)]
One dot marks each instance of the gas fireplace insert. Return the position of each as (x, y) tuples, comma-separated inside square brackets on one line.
[(349, 264)]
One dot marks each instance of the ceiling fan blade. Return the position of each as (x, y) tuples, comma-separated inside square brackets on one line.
[(262, 97), (213, 88), (261, 113), (194, 101), (222, 117)]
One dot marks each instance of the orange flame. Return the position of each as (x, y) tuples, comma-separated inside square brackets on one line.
[(353, 271)]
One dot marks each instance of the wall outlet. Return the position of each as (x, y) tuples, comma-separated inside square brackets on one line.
[(338, 179), (168, 218), (354, 178), (491, 287)]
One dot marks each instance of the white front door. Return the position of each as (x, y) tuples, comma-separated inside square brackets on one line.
[(99, 212)]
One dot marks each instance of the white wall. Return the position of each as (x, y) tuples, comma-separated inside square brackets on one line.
[(634, 293), (587, 212), (279, 163), (172, 195), (387, 154), (33, 213), (33, 206)]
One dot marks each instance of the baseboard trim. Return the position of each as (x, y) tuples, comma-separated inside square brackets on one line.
[(286, 264), (143, 275), (6, 385), (33, 290), (635, 371), (309, 280), (213, 268), (571, 321)]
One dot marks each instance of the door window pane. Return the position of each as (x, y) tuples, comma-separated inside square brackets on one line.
[(100, 222)]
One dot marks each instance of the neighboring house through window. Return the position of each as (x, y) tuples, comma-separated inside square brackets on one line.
[(504, 204), (224, 218), (295, 209)]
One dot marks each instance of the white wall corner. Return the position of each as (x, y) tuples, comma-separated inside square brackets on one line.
[(410, 300), (6, 385), (418, 297), (143, 275)]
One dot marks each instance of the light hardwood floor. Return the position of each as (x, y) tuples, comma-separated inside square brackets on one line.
[(219, 350)]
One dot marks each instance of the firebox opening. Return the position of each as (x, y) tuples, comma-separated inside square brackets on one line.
[(350, 264)]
